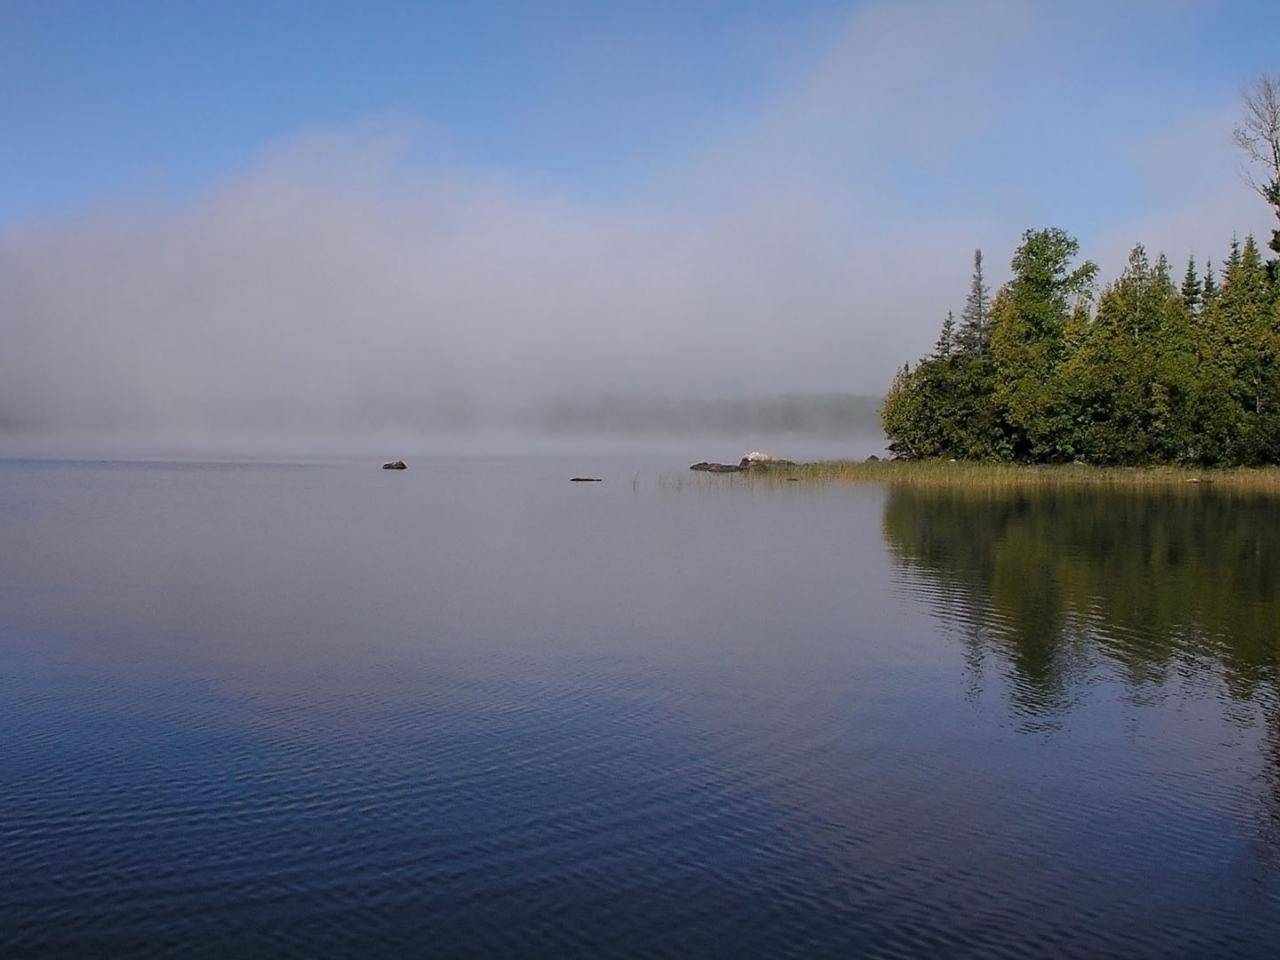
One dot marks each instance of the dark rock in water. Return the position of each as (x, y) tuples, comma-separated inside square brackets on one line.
[(585, 480), (757, 459), (747, 463), (395, 465)]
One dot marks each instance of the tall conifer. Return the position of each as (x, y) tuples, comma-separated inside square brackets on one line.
[(947, 338), (975, 335), (1210, 288), (1191, 289)]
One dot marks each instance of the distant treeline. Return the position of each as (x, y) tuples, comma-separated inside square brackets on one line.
[(828, 414), (1152, 370), (834, 415)]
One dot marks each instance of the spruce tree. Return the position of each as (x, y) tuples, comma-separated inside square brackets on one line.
[(1233, 256), (1210, 289), (946, 339), (974, 337), (1191, 289)]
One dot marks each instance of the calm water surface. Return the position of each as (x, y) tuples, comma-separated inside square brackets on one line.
[(472, 709)]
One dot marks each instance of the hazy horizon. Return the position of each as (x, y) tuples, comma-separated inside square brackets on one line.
[(791, 426), (281, 225)]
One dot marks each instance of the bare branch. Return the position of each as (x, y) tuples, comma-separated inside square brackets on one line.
[(1258, 132)]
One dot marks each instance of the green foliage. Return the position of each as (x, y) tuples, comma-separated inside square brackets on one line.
[(1153, 372), (1028, 343)]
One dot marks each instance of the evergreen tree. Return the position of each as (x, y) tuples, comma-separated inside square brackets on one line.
[(1191, 289), (1210, 289), (1217, 413), (1123, 402), (1238, 352), (1233, 256), (1247, 305), (1162, 272), (1174, 389), (946, 338), (974, 335)]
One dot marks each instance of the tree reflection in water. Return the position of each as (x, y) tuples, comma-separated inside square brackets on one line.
[(1160, 591)]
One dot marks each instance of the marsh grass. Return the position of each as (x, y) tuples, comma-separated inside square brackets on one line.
[(1007, 476)]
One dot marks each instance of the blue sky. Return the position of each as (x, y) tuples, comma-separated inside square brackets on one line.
[(214, 212), (105, 98), (128, 97)]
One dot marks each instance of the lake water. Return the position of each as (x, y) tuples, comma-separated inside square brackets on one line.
[(472, 709)]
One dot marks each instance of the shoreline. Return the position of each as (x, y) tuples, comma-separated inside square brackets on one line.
[(975, 475)]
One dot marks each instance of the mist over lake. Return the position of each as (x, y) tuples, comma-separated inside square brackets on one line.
[(801, 424), (312, 708), (638, 480)]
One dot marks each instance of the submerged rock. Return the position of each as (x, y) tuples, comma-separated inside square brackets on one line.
[(585, 480), (706, 467), (395, 465)]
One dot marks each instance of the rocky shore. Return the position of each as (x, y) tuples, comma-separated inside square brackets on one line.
[(754, 462)]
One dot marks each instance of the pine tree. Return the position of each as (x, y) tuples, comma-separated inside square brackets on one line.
[(975, 336), (1191, 289)]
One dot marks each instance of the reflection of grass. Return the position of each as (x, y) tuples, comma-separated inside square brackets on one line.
[(1008, 476)]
